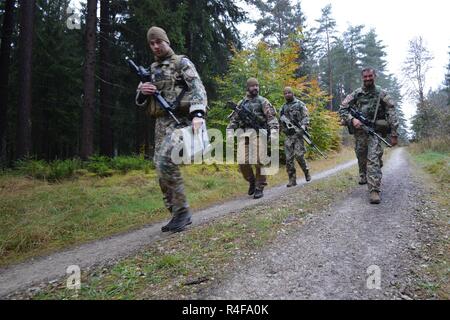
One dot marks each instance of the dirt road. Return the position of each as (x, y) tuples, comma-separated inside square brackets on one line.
[(340, 253)]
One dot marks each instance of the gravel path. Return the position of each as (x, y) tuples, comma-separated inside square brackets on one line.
[(107, 251), (329, 256)]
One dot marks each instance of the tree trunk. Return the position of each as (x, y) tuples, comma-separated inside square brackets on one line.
[(330, 71), (5, 53), (106, 137), (87, 131), (27, 9)]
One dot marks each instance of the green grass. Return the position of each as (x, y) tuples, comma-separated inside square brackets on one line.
[(433, 157), (39, 217), (163, 269), (435, 163)]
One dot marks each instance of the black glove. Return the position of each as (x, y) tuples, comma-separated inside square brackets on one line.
[(290, 132)]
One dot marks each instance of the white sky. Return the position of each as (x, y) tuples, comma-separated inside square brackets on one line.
[(396, 22)]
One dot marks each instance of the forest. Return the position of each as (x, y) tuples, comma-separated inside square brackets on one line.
[(67, 93)]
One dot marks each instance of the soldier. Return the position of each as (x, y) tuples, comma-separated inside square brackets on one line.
[(375, 104), (176, 78), (266, 113), (297, 113)]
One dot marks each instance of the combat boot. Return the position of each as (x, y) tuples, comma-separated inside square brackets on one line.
[(362, 180), (292, 182), (307, 176), (375, 197), (180, 221), (166, 228), (170, 225), (251, 188), (258, 193)]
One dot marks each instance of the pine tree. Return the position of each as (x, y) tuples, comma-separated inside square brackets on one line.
[(5, 57), (327, 30), (87, 131), (210, 32), (311, 51), (106, 136), (27, 10), (373, 53), (340, 59), (353, 43), (279, 19), (57, 82)]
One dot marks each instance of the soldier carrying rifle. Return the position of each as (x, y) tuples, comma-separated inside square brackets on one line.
[(369, 112), (295, 112), (264, 116), (176, 83)]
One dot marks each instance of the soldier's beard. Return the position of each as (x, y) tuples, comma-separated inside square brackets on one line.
[(369, 84), (254, 93)]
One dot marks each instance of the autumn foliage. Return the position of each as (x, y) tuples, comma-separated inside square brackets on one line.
[(276, 68)]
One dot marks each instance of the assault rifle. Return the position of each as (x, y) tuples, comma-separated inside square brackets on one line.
[(145, 76), (367, 125), (306, 134), (246, 116)]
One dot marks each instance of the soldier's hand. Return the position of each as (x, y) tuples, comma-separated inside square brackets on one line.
[(147, 88), (394, 141), (197, 124), (356, 123)]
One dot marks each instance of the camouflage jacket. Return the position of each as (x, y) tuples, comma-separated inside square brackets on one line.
[(170, 76), (261, 108), (365, 100), (296, 112)]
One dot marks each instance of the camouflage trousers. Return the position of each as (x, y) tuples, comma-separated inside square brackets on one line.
[(246, 168), (170, 180), (294, 149), (369, 152)]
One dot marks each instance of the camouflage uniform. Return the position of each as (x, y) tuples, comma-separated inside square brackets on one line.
[(266, 113), (170, 75), (294, 147), (368, 149)]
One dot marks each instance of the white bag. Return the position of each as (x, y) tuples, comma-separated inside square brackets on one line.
[(195, 145)]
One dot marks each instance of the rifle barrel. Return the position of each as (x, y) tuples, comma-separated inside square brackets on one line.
[(132, 64)]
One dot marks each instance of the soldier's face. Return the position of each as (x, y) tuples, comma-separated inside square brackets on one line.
[(159, 47), (288, 95), (253, 90), (368, 78)]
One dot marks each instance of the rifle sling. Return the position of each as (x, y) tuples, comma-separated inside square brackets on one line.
[(377, 108), (177, 102)]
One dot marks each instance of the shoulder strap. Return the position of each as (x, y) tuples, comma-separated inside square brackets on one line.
[(377, 106), (177, 60), (261, 101)]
